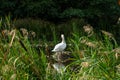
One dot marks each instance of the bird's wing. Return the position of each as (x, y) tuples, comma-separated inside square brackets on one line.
[(57, 47)]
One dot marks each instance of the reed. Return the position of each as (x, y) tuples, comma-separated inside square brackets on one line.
[(87, 57)]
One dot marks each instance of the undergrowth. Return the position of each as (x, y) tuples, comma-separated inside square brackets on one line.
[(93, 57)]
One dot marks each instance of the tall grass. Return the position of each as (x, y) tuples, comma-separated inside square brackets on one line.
[(93, 57)]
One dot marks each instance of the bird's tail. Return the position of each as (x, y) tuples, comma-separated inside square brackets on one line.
[(53, 51)]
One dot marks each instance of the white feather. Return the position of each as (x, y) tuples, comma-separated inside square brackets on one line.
[(60, 46)]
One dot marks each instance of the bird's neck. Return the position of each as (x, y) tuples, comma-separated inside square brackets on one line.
[(63, 40)]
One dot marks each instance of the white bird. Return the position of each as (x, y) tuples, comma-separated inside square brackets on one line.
[(60, 46)]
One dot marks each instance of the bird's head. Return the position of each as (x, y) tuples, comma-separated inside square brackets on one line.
[(62, 36)]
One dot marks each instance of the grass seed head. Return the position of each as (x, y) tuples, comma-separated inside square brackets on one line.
[(24, 32), (118, 22), (117, 52), (5, 32), (91, 44), (5, 69), (33, 34), (88, 29), (118, 68), (13, 77), (110, 35), (85, 64)]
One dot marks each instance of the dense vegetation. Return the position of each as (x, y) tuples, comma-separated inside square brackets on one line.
[(107, 10), (101, 14), (90, 57), (32, 28)]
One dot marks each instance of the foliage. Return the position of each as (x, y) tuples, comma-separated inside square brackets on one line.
[(94, 57), (42, 27), (56, 10)]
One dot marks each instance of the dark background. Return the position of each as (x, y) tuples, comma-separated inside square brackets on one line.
[(101, 14)]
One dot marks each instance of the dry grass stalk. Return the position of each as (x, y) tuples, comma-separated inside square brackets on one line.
[(13, 36), (10, 44)]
